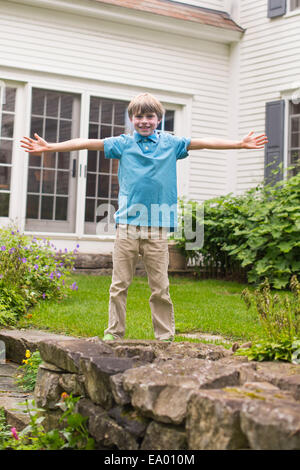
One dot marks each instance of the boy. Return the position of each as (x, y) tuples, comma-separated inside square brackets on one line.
[(147, 180)]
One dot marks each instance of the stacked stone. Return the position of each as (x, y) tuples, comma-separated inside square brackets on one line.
[(171, 396)]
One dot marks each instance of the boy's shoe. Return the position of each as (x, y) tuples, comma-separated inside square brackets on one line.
[(108, 337), (169, 340)]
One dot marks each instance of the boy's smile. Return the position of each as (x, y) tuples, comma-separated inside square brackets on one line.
[(145, 124)]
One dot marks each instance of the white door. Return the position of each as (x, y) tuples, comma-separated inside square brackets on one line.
[(52, 178)]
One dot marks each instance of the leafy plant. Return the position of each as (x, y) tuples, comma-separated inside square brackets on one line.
[(28, 371), (283, 350), (255, 234), (35, 437), (31, 270), (280, 319), (279, 316)]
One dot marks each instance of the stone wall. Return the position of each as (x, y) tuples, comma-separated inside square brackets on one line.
[(154, 395), (163, 396)]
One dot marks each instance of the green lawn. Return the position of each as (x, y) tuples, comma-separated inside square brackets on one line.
[(209, 306)]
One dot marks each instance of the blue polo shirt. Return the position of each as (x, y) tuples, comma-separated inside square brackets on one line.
[(147, 177)]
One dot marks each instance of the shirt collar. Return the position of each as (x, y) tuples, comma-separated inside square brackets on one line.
[(138, 138)]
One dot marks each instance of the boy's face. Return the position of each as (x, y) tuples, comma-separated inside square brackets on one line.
[(145, 124)]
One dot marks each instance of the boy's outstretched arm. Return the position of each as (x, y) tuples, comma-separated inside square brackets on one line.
[(248, 142), (38, 145)]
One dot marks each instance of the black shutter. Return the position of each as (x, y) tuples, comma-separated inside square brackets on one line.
[(276, 8), (274, 150)]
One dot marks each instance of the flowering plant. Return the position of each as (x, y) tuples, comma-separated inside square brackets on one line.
[(28, 370), (31, 270)]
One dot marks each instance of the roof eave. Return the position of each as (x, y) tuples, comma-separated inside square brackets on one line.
[(147, 20)]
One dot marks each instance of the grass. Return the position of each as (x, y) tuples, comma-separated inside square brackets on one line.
[(208, 306)]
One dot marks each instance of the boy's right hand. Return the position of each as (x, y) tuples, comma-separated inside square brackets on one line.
[(35, 146)]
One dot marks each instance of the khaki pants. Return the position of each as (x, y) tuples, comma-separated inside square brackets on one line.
[(152, 244)]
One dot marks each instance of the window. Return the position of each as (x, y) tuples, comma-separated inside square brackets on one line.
[(294, 138), (7, 119), (294, 5), (107, 119), (167, 122), (52, 176)]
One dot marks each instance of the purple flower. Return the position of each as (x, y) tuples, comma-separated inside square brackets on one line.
[(3, 248), (51, 275), (77, 246), (36, 267), (24, 260), (37, 257), (11, 250), (74, 286), (66, 250), (44, 295), (12, 233)]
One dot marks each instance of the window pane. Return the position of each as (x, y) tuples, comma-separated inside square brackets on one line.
[(48, 181), (94, 109), (104, 163), (52, 104), (61, 210), (49, 160), (114, 187), (92, 160), (34, 178), (10, 99), (5, 172), (63, 160), (102, 210), (38, 102), (93, 131), (4, 204), (105, 131), (91, 185), (5, 151), (295, 139), (89, 210), (115, 166), (47, 207), (106, 111), (65, 130), (103, 186), (120, 113), (32, 211), (51, 130), (7, 125), (63, 178), (37, 124), (169, 121), (66, 106), (35, 160)]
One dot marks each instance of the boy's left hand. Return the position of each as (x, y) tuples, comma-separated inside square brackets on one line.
[(252, 142)]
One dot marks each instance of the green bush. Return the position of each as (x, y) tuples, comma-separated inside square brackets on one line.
[(256, 233), (31, 270)]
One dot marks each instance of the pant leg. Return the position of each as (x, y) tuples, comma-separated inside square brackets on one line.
[(125, 257), (156, 260)]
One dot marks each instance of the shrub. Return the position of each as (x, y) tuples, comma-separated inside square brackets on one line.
[(256, 233), (31, 270)]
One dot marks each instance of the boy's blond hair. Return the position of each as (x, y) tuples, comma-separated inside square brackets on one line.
[(145, 103)]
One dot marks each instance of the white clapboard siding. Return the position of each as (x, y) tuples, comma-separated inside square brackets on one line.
[(269, 62), (39, 40)]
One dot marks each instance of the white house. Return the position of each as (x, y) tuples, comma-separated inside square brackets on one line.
[(69, 68)]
